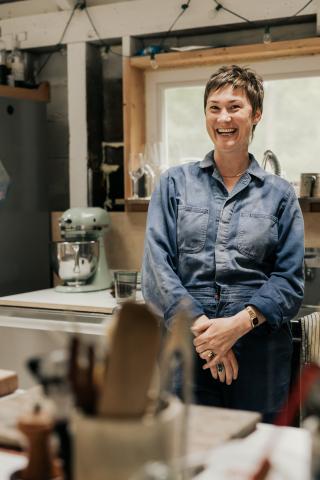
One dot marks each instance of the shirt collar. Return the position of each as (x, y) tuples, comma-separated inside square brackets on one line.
[(254, 167)]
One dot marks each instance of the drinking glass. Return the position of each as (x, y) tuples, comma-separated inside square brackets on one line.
[(136, 170), (125, 284)]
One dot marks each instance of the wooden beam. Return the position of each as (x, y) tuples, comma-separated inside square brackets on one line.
[(133, 115), (243, 53)]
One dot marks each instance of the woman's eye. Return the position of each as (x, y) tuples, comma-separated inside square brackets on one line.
[(235, 107)]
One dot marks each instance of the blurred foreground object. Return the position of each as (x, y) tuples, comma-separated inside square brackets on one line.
[(8, 382)]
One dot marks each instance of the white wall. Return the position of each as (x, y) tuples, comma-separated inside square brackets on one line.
[(43, 26)]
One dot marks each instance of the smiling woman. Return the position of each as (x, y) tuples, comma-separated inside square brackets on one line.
[(227, 236)]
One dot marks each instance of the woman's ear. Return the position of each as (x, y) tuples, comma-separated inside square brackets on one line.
[(257, 117)]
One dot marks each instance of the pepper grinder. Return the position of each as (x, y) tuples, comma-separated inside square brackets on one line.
[(37, 427)]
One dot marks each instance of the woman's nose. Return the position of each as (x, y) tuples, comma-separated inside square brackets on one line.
[(224, 116)]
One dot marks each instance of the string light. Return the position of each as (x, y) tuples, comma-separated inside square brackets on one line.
[(78, 5), (267, 35), (153, 61)]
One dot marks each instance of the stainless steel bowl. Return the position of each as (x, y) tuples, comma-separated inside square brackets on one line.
[(75, 262)]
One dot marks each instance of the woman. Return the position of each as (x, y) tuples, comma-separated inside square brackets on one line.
[(229, 236)]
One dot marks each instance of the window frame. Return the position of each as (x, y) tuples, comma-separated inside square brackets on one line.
[(156, 82)]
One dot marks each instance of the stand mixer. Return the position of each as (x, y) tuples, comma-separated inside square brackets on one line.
[(80, 260)]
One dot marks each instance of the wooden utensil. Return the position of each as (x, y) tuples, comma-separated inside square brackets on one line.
[(131, 363)]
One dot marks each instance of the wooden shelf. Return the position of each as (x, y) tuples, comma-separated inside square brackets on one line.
[(40, 94), (137, 204), (242, 54), (310, 204)]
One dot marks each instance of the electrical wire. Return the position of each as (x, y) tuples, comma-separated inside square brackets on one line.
[(76, 6), (301, 9), (219, 6), (102, 43), (184, 8)]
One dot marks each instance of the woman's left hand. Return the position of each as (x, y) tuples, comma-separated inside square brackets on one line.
[(219, 337)]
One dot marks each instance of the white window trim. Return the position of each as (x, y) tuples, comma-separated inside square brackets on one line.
[(158, 81)]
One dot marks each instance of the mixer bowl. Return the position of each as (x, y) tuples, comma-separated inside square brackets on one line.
[(75, 262)]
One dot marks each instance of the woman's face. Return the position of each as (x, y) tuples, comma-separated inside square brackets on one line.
[(229, 119)]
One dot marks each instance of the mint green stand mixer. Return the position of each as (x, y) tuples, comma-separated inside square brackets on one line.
[(80, 259)]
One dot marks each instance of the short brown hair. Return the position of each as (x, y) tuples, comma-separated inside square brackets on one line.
[(238, 77)]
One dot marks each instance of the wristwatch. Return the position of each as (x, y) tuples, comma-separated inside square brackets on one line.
[(253, 317)]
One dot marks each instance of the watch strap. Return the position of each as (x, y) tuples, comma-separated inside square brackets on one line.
[(254, 320)]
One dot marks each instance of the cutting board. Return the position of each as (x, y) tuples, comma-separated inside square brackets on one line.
[(95, 302)]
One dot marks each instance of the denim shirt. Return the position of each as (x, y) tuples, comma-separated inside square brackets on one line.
[(247, 245)]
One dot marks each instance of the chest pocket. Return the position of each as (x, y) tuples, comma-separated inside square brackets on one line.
[(257, 235), (192, 226)]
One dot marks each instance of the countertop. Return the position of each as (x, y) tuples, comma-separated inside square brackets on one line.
[(93, 302)]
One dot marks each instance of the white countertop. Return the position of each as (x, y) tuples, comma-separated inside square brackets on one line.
[(97, 302)]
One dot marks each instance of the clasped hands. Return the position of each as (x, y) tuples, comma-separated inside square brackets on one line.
[(218, 336)]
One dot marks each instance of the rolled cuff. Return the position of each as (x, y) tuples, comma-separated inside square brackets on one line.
[(194, 309)]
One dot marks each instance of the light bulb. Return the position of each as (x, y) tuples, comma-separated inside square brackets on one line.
[(104, 52), (153, 61), (267, 35)]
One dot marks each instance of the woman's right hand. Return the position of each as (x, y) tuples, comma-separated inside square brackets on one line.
[(230, 369)]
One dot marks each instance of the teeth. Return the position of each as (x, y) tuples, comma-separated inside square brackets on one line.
[(226, 130)]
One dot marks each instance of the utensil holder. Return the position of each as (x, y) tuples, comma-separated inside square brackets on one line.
[(116, 449)]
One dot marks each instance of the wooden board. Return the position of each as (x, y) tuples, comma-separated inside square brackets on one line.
[(235, 54), (40, 94), (207, 426), (93, 302), (54, 306), (211, 426)]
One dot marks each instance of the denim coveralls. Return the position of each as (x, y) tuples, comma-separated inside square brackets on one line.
[(223, 251)]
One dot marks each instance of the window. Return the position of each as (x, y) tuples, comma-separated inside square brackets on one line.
[(290, 125)]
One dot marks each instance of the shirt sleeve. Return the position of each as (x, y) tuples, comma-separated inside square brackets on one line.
[(280, 298), (161, 285)]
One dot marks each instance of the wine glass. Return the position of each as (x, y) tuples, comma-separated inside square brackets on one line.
[(136, 170)]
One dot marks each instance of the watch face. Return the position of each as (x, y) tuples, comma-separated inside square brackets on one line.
[(255, 321)]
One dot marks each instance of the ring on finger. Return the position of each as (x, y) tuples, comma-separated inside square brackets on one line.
[(211, 355), (220, 367)]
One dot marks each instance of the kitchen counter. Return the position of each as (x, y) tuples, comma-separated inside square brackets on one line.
[(36, 323), (93, 302)]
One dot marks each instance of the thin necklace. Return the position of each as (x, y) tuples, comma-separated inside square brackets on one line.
[(234, 176)]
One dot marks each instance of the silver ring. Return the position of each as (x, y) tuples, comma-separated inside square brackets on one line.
[(210, 355), (220, 367)]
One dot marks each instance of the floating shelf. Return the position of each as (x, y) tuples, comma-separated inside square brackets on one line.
[(40, 94), (137, 204), (235, 54)]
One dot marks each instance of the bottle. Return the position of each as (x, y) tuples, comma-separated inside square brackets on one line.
[(3, 66), (17, 64)]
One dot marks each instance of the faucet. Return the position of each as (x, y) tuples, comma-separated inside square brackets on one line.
[(270, 158)]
